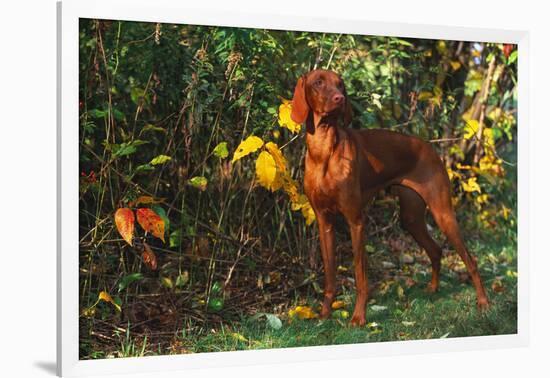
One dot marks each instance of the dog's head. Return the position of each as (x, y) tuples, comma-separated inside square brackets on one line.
[(323, 93)]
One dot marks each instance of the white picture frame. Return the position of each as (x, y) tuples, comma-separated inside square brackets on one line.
[(69, 12)]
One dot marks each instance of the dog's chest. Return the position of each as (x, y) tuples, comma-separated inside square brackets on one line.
[(325, 184)]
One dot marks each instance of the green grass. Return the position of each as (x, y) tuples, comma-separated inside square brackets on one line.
[(417, 315), (398, 312)]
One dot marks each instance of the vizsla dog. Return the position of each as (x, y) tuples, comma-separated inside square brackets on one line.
[(344, 169)]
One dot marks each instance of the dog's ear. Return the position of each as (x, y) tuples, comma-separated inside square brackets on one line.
[(300, 108)]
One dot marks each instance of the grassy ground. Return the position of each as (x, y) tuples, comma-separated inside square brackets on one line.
[(395, 312), (417, 315)]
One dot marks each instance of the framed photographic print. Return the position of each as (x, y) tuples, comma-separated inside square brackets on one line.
[(236, 187)]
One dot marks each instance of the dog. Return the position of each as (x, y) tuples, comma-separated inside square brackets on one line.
[(345, 168)]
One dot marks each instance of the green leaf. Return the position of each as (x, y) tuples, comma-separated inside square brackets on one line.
[(161, 159), (513, 57), (273, 321), (216, 288), (96, 113), (127, 148), (127, 280), (119, 116), (175, 239), (182, 279), (137, 94), (199, 182), (144, 168), (221, 150), (215, 304), (151, 127)]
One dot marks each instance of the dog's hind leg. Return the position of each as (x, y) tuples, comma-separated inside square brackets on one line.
[(413, 220), (434, 187)]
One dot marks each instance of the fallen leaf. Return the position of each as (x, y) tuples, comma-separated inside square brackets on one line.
[(378, 308), (498, 286), (166, 282), (273, 321), (302, 312)]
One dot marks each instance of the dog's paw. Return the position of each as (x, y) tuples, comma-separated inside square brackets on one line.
[(431, 289), (358, 321), (483, 304)]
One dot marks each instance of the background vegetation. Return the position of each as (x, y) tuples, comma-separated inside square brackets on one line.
[(219, 262)]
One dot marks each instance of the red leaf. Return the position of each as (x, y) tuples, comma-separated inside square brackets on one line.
[(151, 222), (507, 49), (149, 257), (124, 220)]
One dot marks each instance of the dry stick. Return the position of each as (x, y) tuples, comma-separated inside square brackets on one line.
[(108, 133), (230, 273), (333, 51)]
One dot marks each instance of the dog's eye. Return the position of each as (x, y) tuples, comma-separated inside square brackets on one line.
[(318, 83)]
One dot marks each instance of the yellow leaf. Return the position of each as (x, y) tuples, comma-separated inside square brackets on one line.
[(291, 188), (425, 95), (462, 166), (89, 312), (471, 185), (277, 156), (400, 292), (302, 312), (284, 117), (104, 296), (482, 198), (452, 174), (338, 304), (238, 337), (506, 212), (471, 128), (488, 136), (278, 181), (299, 202), (441, 47), (265, 169), (247, 146), (455, 64), (308, 213)]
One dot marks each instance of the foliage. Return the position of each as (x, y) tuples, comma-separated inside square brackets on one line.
[(223, 238)]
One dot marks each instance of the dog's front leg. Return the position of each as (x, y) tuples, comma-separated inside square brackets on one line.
[(326, 237)]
